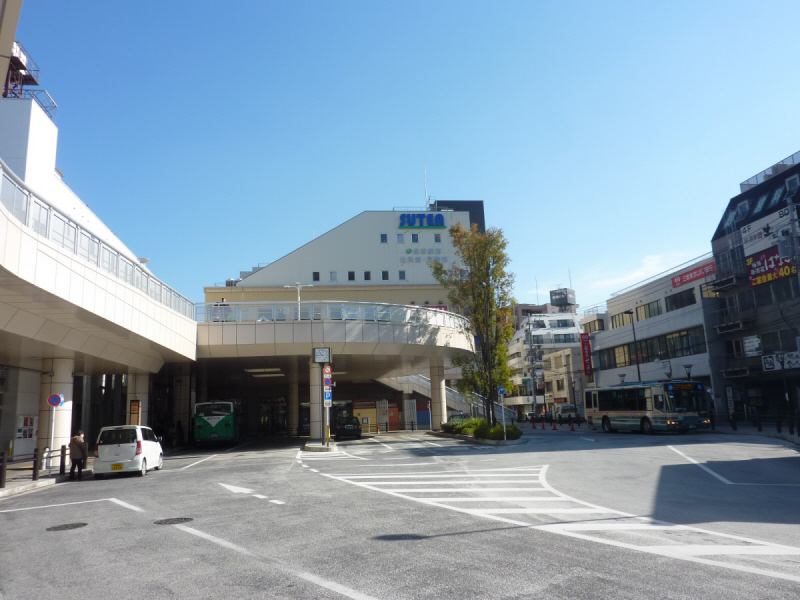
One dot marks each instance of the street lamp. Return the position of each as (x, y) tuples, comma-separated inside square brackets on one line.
[(490, 398), (635, 347), (688, 371), (299, 285), (667, 368)]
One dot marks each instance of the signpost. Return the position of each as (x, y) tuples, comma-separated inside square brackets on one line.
[(323, 355), (502, 391), (53, 400)]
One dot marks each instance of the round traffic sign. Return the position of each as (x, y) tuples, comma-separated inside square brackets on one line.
[(55, 400), (501, 390), (328, 381), (327, 369)]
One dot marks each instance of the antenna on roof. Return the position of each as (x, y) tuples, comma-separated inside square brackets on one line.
[(570, 278), (425, 173)]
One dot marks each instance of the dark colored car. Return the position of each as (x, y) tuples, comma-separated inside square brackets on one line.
[(347, 427)]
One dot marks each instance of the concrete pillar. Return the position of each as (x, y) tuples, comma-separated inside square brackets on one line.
[(139, 389), (59, 383), (182, 398), (315, 399), (293, 409), (438, 393)]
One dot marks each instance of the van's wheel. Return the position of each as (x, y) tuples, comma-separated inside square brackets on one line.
[(143, 472), (607, 425), (160, 464), (647, 426)]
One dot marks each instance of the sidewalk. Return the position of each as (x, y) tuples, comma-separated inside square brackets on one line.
[(19, 478), (767, 430)]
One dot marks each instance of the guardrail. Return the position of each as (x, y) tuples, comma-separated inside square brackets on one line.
[(35, 458), (261, 312), (39, 215)]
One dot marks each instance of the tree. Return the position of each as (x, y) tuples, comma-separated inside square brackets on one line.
[(479, 285)]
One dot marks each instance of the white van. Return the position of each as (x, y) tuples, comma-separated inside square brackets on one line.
[(127, 449), (565, 412)]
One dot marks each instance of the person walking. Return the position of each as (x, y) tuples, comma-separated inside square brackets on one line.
[(77, 455)]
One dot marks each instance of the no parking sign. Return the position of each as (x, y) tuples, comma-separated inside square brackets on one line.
[(55, 400)]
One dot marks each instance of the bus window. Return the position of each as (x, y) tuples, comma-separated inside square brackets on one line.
[(588, 399), (658, 402), (594, 400)]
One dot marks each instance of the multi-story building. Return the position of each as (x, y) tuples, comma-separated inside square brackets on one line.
[(657, 329), (564, 379), (758, 317)]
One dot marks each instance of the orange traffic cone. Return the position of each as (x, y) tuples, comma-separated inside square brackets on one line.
[(571, 426), (543, 424), (378, 425), (554, 425)]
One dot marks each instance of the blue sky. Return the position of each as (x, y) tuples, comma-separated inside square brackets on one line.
[(605, 138)]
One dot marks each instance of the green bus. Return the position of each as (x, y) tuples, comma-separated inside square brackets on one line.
[(216, 422), (648, 407)]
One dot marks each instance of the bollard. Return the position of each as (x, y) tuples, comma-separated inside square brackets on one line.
[(35, 464), (63, 460), (3, 465), (778, 424)]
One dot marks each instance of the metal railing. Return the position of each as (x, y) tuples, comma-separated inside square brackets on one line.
[(40, 216), (772, 171), (45, 457), (262, 312)]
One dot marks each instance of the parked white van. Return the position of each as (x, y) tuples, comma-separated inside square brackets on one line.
[(127, 449)]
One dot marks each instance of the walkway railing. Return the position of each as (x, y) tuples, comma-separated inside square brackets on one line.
[(259, 312), (40, 216)]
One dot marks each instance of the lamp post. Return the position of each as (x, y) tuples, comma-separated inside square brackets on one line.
[(299, 285), (635, 345), (490, 394), (688, 372)]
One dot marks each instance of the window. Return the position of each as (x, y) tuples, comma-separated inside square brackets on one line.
[(401, 275), (385, 275), (548, 386), (680, 300), (763, 295), (415, 238), (563, 323), (782, 289), (706, 291), (653, 309), (437, 238), (621, 319), (351, 276), (109, 261), (792, 183), (384, 238), (537, 340), (592, 326), (315, 276), (332, 276), (367, 276), (39, 216), (776, 197), (565, 338), (560, 385), (401, 238)]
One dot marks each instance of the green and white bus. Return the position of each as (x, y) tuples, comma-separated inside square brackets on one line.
[(216, 421), (648, 406)]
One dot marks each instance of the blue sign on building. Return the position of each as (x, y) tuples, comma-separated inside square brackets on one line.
[(421, 221)]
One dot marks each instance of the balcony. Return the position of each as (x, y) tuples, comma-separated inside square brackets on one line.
[(731, 320), (729, 278), (741, 366)]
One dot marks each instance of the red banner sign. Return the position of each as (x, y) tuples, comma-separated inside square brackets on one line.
[(767, 266), (702, 271), (586, 354)]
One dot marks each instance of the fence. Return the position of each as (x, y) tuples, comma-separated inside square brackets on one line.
[(34, 458)]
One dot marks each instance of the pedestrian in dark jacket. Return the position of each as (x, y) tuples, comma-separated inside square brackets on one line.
[(77, 455)]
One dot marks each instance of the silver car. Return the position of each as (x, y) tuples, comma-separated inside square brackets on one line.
[(127, 449)]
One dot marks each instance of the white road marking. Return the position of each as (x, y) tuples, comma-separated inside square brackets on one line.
[(432, 444), (727, 481), (382, 444), (305, 466), (126, 505), (197, 463), (314, 471), (259, 496), (53, 505), (215, 540), (587, 439), (236, 489), (334, 587), (277, 502)]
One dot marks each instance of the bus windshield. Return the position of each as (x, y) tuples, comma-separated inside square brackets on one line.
[(686, 397), (213, 409)]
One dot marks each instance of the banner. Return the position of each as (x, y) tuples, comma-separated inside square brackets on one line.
[(702, 271), (768, 266), (586, 354)]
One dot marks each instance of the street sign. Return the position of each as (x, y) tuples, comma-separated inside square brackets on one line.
[(55, 400), (501, 390), (328, 399), (326, 388), (327, 382), (326, 370), (322, 355)]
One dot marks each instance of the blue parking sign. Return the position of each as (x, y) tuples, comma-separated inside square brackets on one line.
[(328, 396)]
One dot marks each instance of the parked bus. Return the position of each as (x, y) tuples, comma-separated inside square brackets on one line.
[(647, 407), (216, 421)]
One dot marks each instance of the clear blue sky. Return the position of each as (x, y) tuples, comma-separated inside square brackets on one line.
[(605, 138)]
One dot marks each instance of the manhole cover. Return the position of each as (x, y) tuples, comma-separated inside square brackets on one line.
[(173, 521), (67, 527)]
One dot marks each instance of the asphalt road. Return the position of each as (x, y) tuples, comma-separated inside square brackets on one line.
[(565, 515)]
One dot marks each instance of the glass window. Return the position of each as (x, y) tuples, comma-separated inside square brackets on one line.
[(57, 230), (646, 311), (415, 238), (788, 340), (401, 238), (680, 300), (437, 238), (351, 276), (315, 276), (770, 342), (763, 295), (109, 261), (39, 216), (776, 196), (385, 275), (760, 204), (401, 275), (384, 238), (332, 276), (367, 276), (782, 289)]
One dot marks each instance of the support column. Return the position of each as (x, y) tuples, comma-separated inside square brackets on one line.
[(182, 400), (59, 383), (139, 389), (293, 408), (315, 399), (438, 393)]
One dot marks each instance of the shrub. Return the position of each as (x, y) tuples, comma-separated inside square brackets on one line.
[(481, 429)]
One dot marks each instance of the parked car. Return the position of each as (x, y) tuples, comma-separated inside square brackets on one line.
[(347, 427), (127, 449)]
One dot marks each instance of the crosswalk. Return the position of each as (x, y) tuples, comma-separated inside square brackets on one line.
[(522, 496)]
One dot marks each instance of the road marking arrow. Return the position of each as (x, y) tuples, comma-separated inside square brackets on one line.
[(236, 490)]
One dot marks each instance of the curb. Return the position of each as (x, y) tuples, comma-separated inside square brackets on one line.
[(46, 482), (469, 438), (317, 447), (779, 436)]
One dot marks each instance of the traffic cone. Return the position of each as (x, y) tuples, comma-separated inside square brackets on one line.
[(542, 423), (554, 425), (571, 426), (378, 425)]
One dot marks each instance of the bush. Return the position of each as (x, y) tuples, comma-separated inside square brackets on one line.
[(480, 428), (496, 433)]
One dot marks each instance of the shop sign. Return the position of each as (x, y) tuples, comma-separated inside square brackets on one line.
[(764, 233), (768, 266), (752, 345), (421, 221), (586, 354), (779, 362), (702, 271)]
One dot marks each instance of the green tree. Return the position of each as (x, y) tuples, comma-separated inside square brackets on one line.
[(479, 285)]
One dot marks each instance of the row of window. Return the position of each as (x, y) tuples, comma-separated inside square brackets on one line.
[(401, 238), (558, 338), (673, 345), (333, 276), (653, 309), (772, 342), (540, 324), (592, 326), (47, 223)]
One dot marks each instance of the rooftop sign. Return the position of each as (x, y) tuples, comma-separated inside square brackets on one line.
[(421, 221)]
